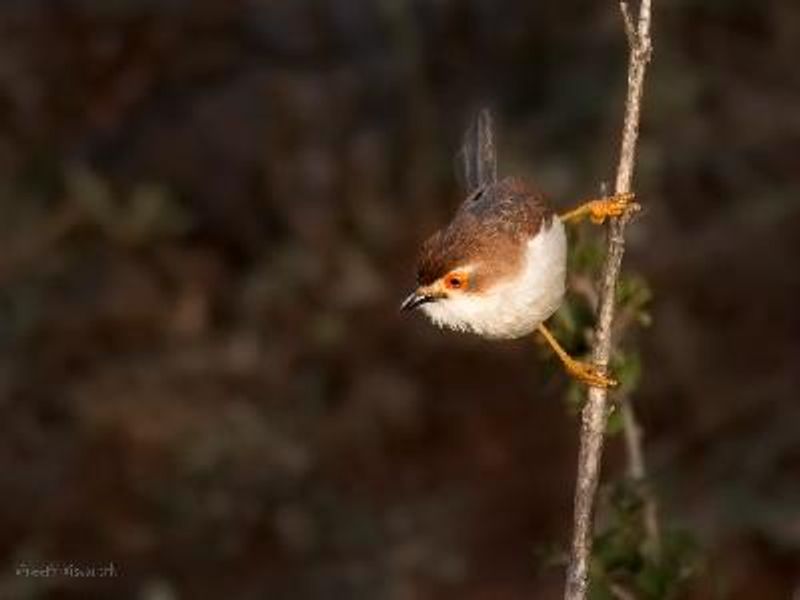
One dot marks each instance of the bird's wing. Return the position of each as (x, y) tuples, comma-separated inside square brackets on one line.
[(510, 207)]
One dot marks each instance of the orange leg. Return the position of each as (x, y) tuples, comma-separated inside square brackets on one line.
[(583, 372), (599, 210)]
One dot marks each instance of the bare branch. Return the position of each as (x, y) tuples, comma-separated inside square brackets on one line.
[(630, 28), (637, 471), (620, 593), (595, 412)]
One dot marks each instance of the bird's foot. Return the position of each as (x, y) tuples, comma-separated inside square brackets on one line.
[(590, 375), (612, 206)]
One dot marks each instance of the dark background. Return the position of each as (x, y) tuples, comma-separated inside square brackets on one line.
[(209, 212)]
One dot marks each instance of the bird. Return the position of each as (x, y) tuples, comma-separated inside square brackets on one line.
[(498, 269)]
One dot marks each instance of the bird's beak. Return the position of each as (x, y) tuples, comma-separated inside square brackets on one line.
[(416, 299)]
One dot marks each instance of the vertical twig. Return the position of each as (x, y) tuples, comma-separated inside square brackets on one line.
[(637, 472), (595, 412)]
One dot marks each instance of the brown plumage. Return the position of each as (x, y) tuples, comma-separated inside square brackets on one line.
[(492, 225)]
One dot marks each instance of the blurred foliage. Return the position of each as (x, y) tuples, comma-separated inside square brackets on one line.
[(146, 213), (625, 564), (626, 561)]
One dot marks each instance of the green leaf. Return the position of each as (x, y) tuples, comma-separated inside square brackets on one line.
[(633, 290), (627, 368), (614, 423), (575, 397)]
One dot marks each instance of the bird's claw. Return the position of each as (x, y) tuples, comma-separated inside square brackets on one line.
[(613, 206), (590, 375)]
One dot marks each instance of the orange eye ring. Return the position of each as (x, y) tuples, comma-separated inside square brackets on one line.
[(455, 281)]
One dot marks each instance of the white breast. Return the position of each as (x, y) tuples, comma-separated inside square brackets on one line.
[(513, 308)]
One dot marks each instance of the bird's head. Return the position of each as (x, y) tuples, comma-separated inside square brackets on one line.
[(454, 277), (450, 299), (449, 286)]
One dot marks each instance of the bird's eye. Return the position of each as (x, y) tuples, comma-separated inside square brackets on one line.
[(454, 281)]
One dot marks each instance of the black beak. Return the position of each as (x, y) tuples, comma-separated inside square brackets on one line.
[(414, 300)]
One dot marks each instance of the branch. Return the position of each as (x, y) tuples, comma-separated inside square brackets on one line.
[(595, 412), (637, 471)]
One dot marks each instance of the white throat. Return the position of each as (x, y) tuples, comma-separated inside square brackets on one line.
[(515, 307)]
